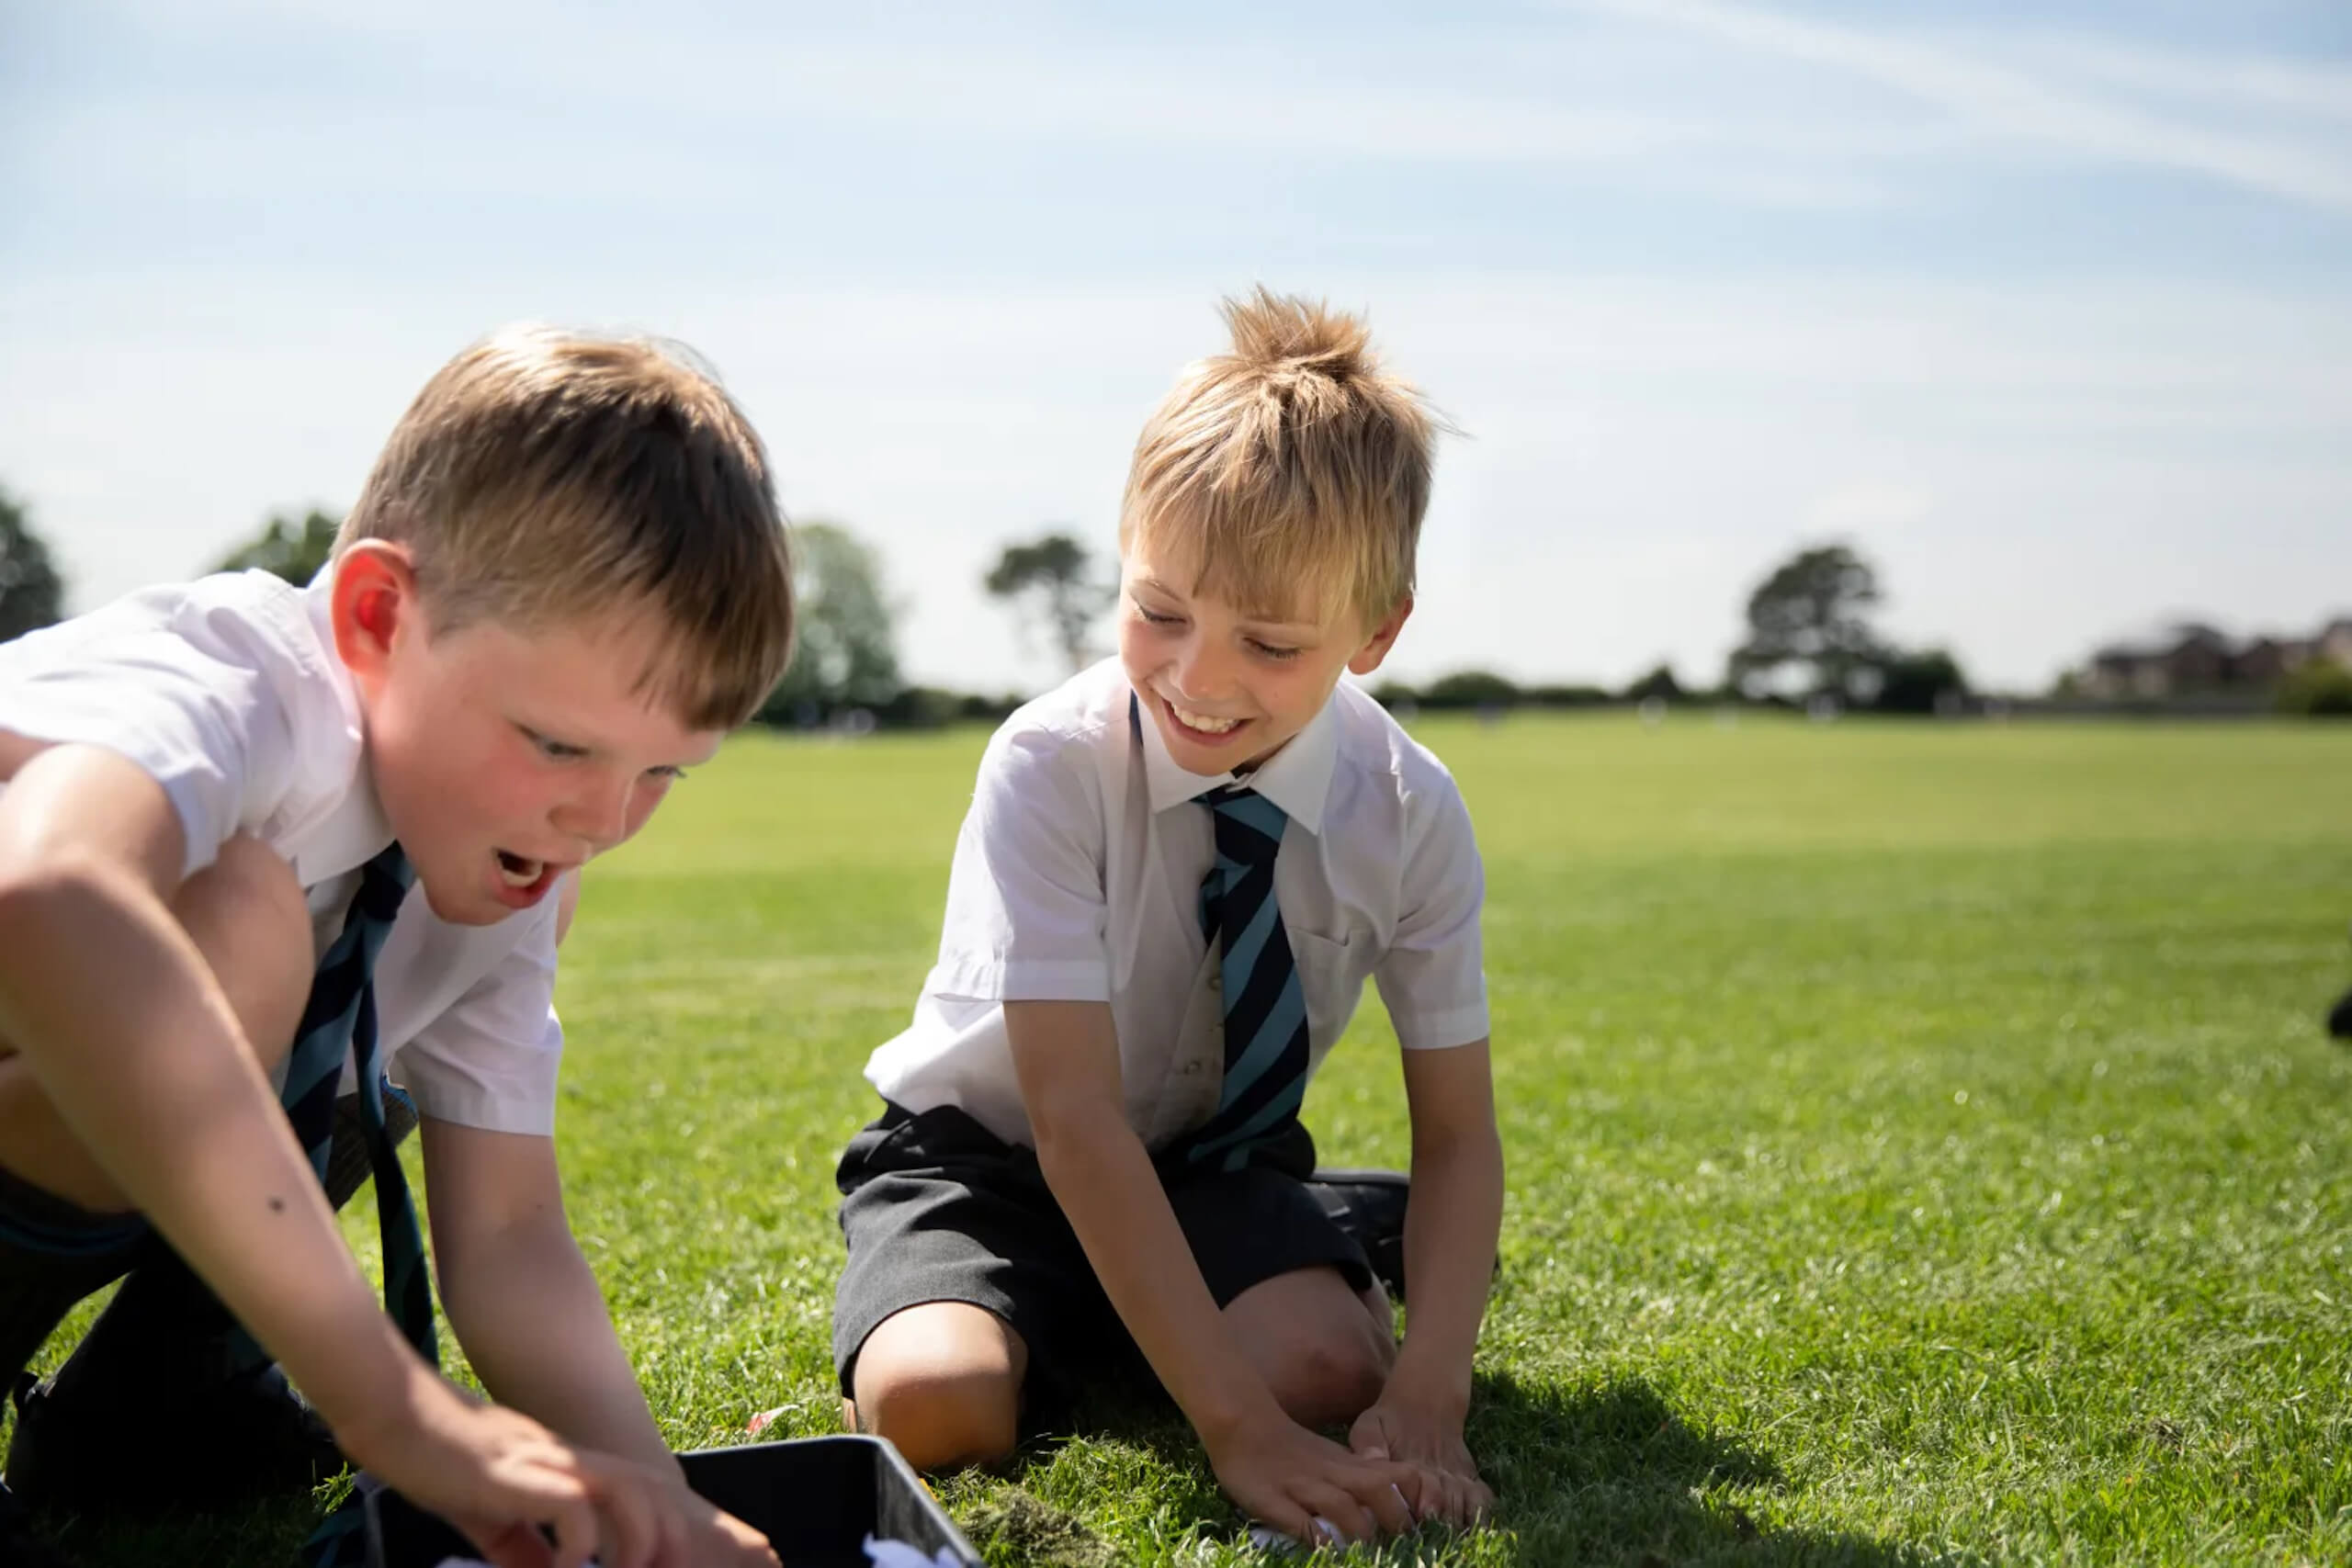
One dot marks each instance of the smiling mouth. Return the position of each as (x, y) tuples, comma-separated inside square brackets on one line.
[(1206, 725)]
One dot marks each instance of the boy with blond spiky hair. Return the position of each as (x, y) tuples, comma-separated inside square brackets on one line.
[(283, 870), (1178, 871)]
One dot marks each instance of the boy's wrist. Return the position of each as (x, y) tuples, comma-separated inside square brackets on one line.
[(1231, 1414), (1418, 1381)]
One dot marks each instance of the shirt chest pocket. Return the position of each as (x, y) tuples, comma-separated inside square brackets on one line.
[(1331, 972)]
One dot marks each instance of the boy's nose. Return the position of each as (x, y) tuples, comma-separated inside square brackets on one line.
[(599, 816), (1202, 675)]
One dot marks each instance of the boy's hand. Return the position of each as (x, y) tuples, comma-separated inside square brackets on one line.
[(1399, 1429), (499, 1476), (1312, 1489), (719, 1539)]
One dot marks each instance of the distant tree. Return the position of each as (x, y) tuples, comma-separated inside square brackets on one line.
[(1051, 580), (290, 547), (32, 594), (1659, 684), (1470, 689), (1923, 680), (1810, 615), (2319, 688), (1560, 695), (846, 650)]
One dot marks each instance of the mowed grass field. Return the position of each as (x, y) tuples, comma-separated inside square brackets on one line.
[(1923, 1147)]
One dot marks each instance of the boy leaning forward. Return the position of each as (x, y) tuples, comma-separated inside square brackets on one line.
[(1178, 871), (266, 852)]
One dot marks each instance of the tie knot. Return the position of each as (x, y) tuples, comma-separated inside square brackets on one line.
[(1249, 826)]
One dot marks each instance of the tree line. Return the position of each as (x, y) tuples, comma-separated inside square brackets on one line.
[(1809, 638)]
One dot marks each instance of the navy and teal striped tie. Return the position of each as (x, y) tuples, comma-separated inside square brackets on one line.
[(339, 1021), (1265, 1008)]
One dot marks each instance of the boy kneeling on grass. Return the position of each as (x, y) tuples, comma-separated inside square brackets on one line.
[(260, 847), (1177, 873)]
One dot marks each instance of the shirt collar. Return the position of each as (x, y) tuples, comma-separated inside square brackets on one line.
[(1298, 778), (356, 829)]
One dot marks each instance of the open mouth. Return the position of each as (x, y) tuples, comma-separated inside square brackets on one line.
[(518, 871), (524, 880)]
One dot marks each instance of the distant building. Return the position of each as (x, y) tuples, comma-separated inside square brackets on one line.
[(2193, 659)]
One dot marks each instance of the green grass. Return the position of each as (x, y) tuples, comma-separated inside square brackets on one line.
[(1922, 1147)]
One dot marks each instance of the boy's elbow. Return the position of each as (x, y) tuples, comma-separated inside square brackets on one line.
[(1073, 1128), (39, 892), (1476, 1144)]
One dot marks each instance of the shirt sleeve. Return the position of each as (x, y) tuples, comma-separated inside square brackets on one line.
[(1026, 906), (489, 1060), (203, 717), (1432, 977)]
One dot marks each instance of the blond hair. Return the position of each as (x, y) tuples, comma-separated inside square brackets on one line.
[(1294, 462), (543, 475)]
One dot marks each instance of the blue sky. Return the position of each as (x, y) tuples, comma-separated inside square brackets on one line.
[(2048, 307)]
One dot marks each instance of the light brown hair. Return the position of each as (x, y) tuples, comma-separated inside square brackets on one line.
[(1294, 462), (542, 475)]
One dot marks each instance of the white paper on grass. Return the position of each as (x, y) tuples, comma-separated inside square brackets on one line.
[(881, 1554)]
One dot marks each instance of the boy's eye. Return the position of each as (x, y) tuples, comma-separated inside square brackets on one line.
[(1269, 650), (666, 773), (554, 750), (1153, 617)]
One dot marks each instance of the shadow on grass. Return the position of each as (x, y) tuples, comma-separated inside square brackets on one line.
[(1605, 1475), (1612, 1475), (1609, 1475), (266, 1537)]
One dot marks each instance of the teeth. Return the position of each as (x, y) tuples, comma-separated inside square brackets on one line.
[(1202, 722), (519, 871)]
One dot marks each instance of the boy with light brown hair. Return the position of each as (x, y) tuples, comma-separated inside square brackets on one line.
[(273, 858), (1178, 871)]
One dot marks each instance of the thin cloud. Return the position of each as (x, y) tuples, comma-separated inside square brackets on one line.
[(2015, 104)]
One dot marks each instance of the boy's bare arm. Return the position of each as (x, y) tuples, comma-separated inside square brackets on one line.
[(520, 1296), (129, 1035), (125, 1029), (533, 1321), (1066, 1057), (1451, 1225)]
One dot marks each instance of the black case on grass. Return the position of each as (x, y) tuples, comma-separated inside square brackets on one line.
[(816, 1499)]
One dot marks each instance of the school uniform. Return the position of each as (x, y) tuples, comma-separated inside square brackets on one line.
[(228, 692), (1083, 872)]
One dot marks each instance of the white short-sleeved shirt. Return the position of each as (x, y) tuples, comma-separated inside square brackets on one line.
[(229, 692), (1077, 878)]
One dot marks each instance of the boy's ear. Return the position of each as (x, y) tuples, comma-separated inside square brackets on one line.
[(373, 599), (1384, 637)]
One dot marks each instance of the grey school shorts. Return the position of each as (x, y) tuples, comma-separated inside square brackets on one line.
[(936, 1208)]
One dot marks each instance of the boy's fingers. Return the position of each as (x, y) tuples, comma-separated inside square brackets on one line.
[(1337, 1516), (636, 1533), (1379, 1498), (510, 1546), (1417, 1483), (1383, 1501), (575, 1527), (676, 1549)]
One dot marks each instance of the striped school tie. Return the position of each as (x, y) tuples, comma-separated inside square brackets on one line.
[(1265, 1008), (339, 1021)]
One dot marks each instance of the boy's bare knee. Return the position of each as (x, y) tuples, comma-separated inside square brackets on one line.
[(943, 1416), (942, 1382), (247, 916), (1329, 1378)]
